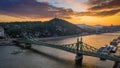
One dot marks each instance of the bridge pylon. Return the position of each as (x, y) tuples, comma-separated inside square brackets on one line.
[(79, 56), (116, 65)]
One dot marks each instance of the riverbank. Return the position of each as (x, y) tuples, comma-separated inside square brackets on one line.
[(6, 42), (60, 37)]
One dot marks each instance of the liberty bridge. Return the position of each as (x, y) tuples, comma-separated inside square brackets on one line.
[(79, 48)]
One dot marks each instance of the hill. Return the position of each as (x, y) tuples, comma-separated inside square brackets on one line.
[(54, 27), (62, 27)]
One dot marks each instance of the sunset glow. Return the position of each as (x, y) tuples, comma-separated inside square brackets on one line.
[(90, 12)]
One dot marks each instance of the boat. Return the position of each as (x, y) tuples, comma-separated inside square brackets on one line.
[(114, 43), (103, 51), (112, 49), (108, 49)]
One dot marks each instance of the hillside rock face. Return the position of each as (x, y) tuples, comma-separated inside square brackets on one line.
[(54, 27)]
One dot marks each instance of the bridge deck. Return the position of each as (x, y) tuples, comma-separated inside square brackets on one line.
[(86, 49)]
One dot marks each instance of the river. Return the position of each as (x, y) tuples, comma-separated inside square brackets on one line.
[(15, 57)]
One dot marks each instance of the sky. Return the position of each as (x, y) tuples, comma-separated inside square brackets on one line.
[(90, 12)]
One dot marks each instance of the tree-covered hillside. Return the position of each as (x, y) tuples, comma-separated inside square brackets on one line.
[(54, 27)]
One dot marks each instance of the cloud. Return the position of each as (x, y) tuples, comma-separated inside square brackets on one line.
[(32, 9), (99, 14), (45, 9), (73, 4), (103, 7), (108, 13), (104, 4)]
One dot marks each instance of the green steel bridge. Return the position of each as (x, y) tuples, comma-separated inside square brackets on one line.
[(80, 48)]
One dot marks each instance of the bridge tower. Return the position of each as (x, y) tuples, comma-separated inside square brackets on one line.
[(116, 65), (79, 57)]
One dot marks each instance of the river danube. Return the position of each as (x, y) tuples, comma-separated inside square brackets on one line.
[(15, 57)]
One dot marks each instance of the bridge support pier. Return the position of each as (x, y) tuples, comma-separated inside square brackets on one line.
[(78, 59), (15, 42), (116, 65), (27, 45)]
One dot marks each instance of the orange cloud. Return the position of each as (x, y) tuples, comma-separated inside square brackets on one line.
[(94, 20)]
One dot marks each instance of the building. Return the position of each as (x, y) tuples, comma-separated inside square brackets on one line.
[(1, 32)]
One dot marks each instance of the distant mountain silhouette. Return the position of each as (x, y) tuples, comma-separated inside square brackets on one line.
[(84, 26)]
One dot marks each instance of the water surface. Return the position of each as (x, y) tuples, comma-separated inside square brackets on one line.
[(15, 57)]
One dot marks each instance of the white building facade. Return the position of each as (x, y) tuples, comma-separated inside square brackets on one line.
[(2, 32)]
